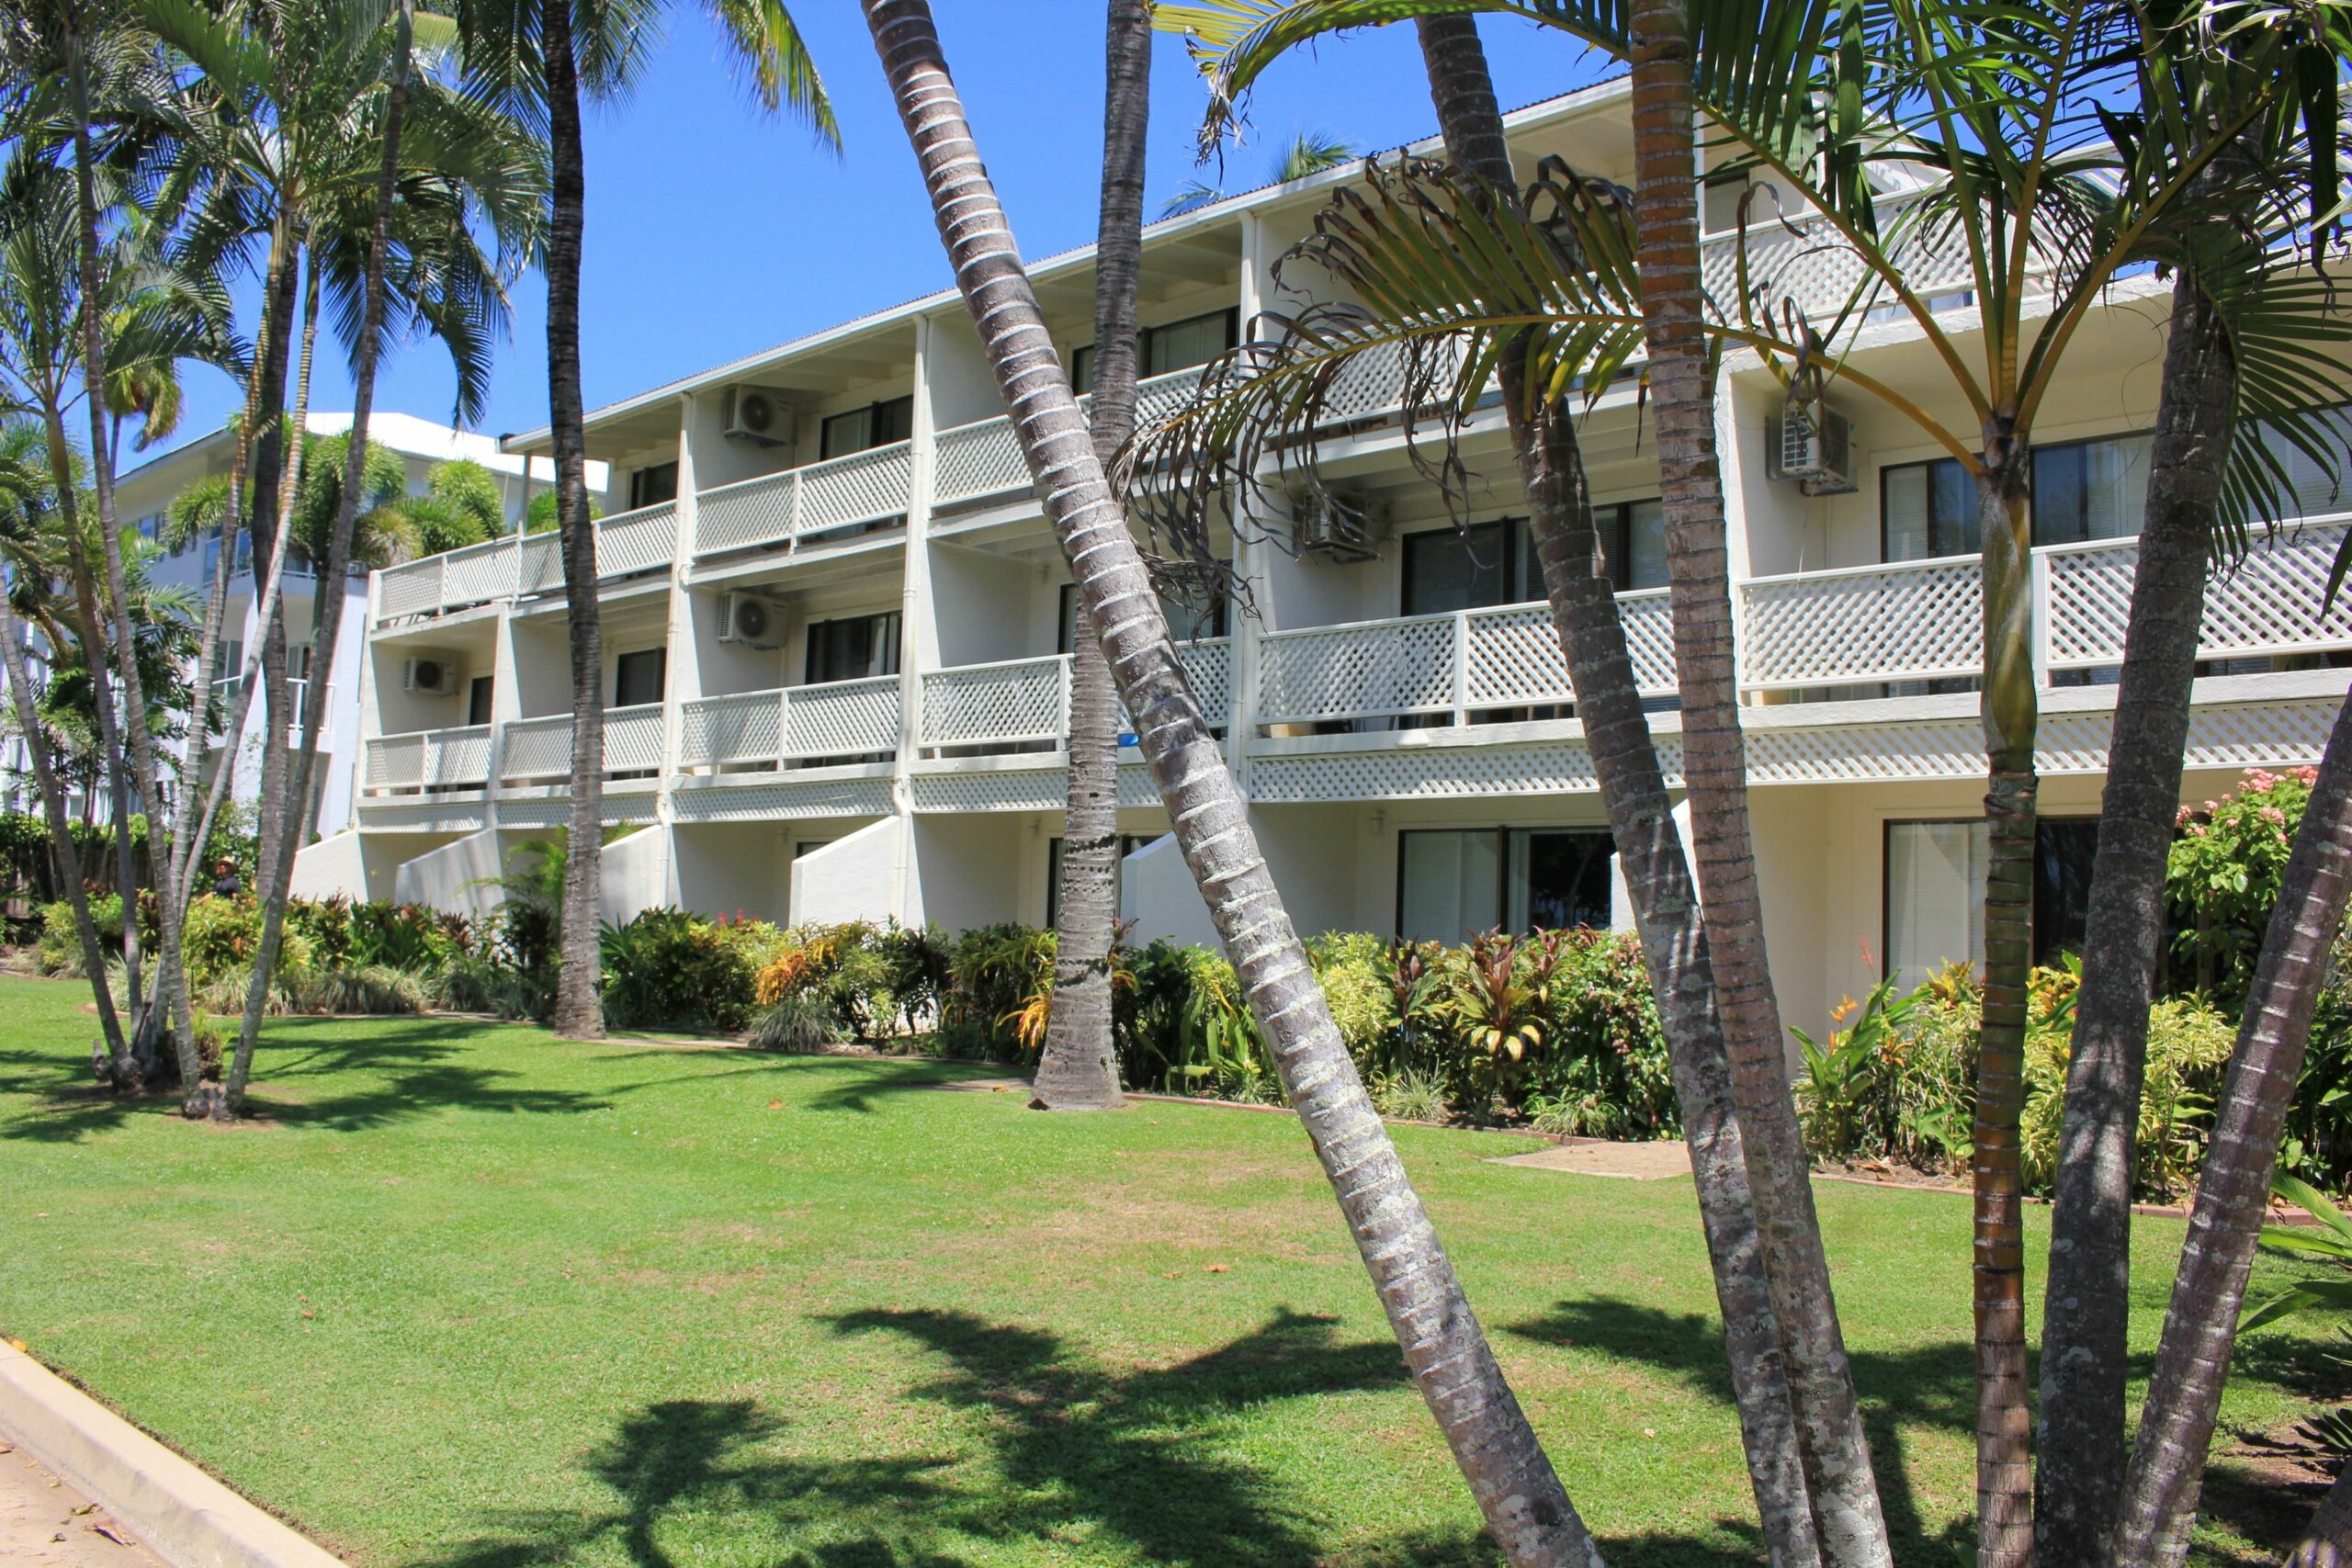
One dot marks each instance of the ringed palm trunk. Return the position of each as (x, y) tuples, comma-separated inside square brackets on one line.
[(2328, 1542), (2004, 1447), (1632, 790), (273, 358), (2167, 1467), (578, 1007), (332, 574), (112, 1048), (1511, 1476), (278, 751), (1844, 1491), (1079, 1069), (2083, 1445)]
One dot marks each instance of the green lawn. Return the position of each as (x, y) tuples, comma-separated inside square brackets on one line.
[(474, 1297)]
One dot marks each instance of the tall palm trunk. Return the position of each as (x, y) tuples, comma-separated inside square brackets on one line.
[(272, 360), (1632, 790), (147, 1021), (2004, 1445), (2167, 1466), (63, 856), (332, 573), (579, 1006), (2328, 1542), (1847, 1513), (1079, 1069), (277, 685), (1520, 1496), (2083, 1447)]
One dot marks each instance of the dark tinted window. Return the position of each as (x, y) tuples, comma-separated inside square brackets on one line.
[(2061, 885), (876, 424), (478, 699), (652, 487), (852, 648), (638, 677)]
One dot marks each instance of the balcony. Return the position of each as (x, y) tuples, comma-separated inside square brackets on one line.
[(983, 459), (1023, 704), (537, 751), (516, 566), (787, 508), (793, 727), (1454, 667), (1924, 620), (427, 761), (228, 689)]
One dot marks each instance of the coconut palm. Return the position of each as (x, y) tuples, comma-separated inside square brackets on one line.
[(1309, 153), (1078, 1069), (1524, 1503), (549, 53)]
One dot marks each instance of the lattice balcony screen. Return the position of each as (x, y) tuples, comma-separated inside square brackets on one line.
[(1376, 671), (841, 718), (1024, 699), (979, 459), (478, 574), (536, 750), (633, 739), (719, 731), (736, 516), (411, 589), (2269, 603), (541, 567), (636, 541), (1919, 620), (864, 487)]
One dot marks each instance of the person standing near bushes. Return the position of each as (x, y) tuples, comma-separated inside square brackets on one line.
[(226, 884)]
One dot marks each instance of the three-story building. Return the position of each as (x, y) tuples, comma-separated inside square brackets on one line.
[(837, 631)]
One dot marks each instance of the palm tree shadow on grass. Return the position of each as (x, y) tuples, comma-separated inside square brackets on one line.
[(1928, 1385), (1072, 1452), (380, 1075)]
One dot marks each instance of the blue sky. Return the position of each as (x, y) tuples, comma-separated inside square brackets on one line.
[(714, 232)]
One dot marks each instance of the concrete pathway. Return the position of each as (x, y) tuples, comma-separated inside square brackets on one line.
[(1633, 1162), (45, 1521)]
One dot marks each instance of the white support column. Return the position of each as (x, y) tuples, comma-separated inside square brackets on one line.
[(366, 722), (918, 630), (682, 680), (1241, 721)]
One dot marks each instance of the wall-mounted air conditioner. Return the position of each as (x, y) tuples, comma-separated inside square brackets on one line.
[(1336, 527), (1813, 445), (432, 675), (759, 414), (746, 620)]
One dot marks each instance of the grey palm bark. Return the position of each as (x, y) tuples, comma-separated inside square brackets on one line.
[(1650, 852), (65, 860), (2083, 1445), (2328, 1542), (1512, 1478), (278, 752), (2162, 1486), (332, 573), (1080, 1068), (579, 1004), (1844, 1490), (274, 349), (2012, 711)]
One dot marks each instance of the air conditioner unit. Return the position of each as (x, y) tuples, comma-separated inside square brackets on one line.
[(1813, 445), (758, 413), (432, 677), (1332, 526), (746, 620)]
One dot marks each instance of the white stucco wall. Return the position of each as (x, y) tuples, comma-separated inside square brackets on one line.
[(852, 878)]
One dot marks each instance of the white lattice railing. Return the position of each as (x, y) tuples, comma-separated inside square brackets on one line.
[(2268, 603), (1455, 665), (983, 458), (862, 487), (634, 541), (539, 750), (426, 760), (1805, 261), (770, 729), (629, 542), (1015, 702), (1911, 620)]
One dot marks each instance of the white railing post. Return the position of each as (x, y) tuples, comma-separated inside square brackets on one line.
[(1461, 667), (2039, 584)]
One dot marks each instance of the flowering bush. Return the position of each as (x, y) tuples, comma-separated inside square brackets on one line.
[(2223, 877)]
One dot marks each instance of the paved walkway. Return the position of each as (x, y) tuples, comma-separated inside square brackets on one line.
[(44, 1522), (1633, 1162)]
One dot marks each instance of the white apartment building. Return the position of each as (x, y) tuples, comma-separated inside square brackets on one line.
[(143, 498), (837, 628)]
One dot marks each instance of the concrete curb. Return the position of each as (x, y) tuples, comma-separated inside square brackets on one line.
[(179, 1513)]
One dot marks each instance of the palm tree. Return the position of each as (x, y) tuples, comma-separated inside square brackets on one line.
[(1633, 791), (1078, 1069), (551, 52), (2059, 208), (1521, 1498), (1309, 153)]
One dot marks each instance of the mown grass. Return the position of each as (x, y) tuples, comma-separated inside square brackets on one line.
[(469, 1296)]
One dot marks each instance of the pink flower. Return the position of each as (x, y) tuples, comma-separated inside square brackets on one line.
[(2273, 815), (2180, 819), (2197, 829), (2307, 776), (2211, 806)]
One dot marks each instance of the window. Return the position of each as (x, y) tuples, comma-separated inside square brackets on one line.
[(639, 677), (1452, 885), (479, 693), (652, 486), (876, 424), (852, 648), (1494, 563), (1178, 345), (1187, 620), (1935, 892), (2082, 491), (1128, 844)]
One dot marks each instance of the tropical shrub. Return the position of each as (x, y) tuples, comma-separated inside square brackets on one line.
[(666, 966), (2221, 878)]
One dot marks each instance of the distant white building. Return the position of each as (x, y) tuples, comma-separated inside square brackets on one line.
[(143, 497)]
